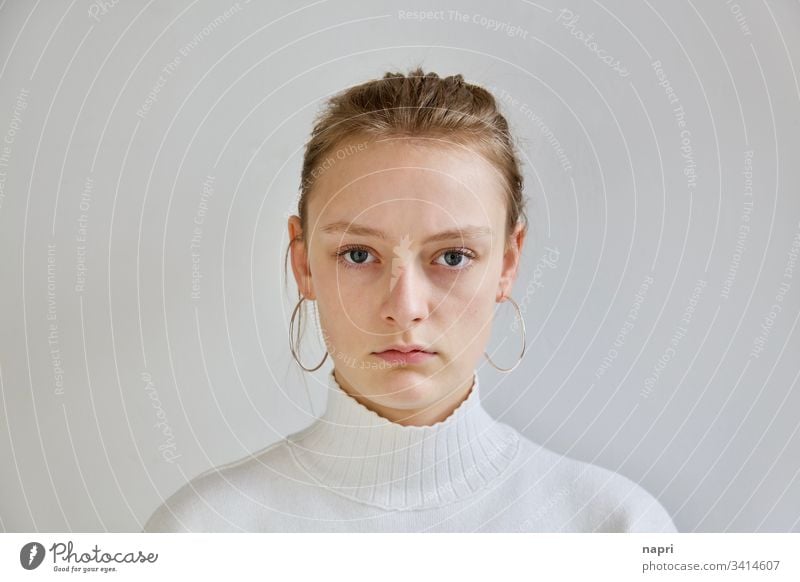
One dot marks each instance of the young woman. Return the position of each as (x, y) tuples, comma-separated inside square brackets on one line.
[(409, 231)]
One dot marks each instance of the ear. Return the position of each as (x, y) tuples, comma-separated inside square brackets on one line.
[(300, 266), (511, 259)]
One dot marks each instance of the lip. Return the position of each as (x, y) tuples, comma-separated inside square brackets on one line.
[(404, 354), (405, 349), (404, 358)]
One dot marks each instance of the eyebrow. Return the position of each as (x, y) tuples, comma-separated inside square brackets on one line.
[(466, 232)]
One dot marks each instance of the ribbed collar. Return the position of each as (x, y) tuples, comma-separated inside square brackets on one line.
[(361, 455)]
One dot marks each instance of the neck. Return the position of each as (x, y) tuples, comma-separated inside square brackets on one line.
[(424, 416)]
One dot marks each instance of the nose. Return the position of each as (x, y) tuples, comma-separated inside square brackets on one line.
[(407, 298)]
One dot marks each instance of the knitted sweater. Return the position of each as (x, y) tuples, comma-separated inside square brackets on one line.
[(352, 470)]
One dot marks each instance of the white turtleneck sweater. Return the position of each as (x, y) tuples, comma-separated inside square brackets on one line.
[(354, 471)]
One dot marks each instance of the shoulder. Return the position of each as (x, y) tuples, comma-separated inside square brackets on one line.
[(224, 497), (582, 496)]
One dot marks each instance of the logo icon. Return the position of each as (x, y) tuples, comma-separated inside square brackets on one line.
[(31, 555), (401, 260)]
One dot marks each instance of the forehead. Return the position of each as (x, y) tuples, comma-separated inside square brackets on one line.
[(419, 183)]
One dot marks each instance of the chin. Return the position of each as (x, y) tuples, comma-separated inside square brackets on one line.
[(407, 387)]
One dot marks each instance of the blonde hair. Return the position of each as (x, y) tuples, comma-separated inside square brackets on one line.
[(422, 105)]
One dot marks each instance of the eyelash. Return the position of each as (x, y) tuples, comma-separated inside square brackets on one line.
[(462, 251)]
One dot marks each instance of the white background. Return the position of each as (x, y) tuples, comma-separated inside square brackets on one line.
[(714, 438)]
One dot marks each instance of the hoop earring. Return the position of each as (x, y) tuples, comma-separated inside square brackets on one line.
[(522, 353), (292, 342)]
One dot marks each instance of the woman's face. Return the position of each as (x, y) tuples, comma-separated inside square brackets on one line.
[(405, 245)]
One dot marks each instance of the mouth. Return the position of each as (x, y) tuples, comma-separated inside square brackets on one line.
[(405, 356), (405, 348)]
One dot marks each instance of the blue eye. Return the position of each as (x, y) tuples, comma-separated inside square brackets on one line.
[(457, 256), (454, 258), (357, 254)]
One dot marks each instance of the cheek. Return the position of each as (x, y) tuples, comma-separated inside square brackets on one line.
[(346, 315), (468, 321), (337, 290), (337, 332)]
